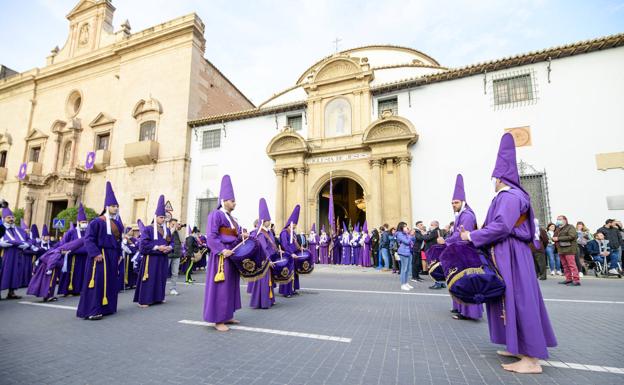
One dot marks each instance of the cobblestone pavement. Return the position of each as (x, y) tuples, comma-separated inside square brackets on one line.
[(348, 326)]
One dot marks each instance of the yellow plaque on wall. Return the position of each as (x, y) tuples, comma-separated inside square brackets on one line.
[(521, 135)]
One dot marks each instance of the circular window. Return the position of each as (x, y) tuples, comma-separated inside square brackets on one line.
[(74, 102)]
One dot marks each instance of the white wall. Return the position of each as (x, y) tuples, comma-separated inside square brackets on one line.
[(243, 156), (580, 113)]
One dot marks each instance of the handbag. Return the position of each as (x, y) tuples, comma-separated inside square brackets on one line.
[(197, 256), (565, 244)]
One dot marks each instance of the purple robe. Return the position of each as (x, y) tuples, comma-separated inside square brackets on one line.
[(262, 295), (43, 282), (222, 299), (154, 267), (324, 249), (130, 275), (100, 284), (290, 248), (345, 242), (12, 259), (71, 281), (313, 247), (366, 251), (356, 250), (520, 321), (468, 220), (336, 256), (30, 256)]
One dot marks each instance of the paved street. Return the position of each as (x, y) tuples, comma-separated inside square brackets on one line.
[(351, 326)]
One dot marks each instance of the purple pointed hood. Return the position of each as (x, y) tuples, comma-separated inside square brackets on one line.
[(313, 227), (459, 193), (323, 229), (344, 227), (357, 228), (6, 212), (34, 231), (365, 227), (23, 224), (294, 217), (141, 225), (44, 231), (81, 217), (506, 168), (263, 211), (160, 207), (110, 199), (227, 191)]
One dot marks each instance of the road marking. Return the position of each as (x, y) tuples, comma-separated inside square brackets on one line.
[(272, 331), (48, 305), (590, 368)]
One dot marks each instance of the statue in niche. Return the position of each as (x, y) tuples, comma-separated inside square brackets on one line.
[(338, 118), (83, 36)]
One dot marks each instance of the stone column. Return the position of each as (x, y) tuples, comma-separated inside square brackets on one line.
[(279, 197), (404, 186), (375, 210), (301, 173), (28, 210), (71, 199)]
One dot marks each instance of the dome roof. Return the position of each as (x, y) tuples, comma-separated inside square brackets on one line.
[(389, 63)]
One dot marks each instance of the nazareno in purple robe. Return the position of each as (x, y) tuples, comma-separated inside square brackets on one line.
[(221, 299), (12, 259), (324, 249), (467, 219), (520, 321), (313, 247), (154, 268), (262, 295), (71, 281), (43, 282), (100, 285), (345, 241), (288, 289)]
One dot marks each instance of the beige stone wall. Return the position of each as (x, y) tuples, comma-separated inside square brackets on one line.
[(163, 67)]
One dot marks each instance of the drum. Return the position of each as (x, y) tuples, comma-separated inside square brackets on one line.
[(304, 263), (250, 261), (471, 276), (433, 261), (283, 270)]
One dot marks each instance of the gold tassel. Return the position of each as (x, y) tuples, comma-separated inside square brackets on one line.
[(105, 299), (220, 276), (126, 270), (71, 274), (52, 279), (92, 281), (145, 274), (270, 287)]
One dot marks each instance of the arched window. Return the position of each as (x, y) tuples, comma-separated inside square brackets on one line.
[(67, 150), (148, 131), (338, 118), (3, 158)]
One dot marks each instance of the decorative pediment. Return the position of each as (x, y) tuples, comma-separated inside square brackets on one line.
[(85, 5), (58, 126), (35, 134), (144, 106), (390, 128), (287, 142), (6, 139), (101, 119), (337, 68)]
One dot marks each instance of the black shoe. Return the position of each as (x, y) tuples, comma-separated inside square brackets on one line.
[(542, 278), (576, 284), (565, 282), (455, 311)]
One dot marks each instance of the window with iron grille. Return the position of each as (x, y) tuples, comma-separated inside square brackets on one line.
[(204, 206), (514, 89), (536, 184), (294, 122), (34, 154), (148, 131), (388, 104), (3, 158), (211, 139)]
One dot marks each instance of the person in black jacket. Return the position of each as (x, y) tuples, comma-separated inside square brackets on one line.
[(192, 247), (417, 260), (539, 254), (375, 246)]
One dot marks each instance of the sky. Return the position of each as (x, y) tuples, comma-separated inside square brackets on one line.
[(263, 46)]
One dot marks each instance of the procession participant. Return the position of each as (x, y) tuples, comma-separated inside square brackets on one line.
[(74, 263), (29, 255), (520, 320), (324, 246), (313, 240), (13, 243), (365, 242), (191, 248), (345, 242), (155, 245), (356, 247), (103, 244), (130, 248), (336, 247), (262, 295), (46, 244), (290, 245), (222, 293), (465, 219)]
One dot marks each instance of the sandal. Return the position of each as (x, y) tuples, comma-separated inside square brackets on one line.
[(96, 317)]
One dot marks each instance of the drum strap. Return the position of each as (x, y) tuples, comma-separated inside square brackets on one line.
[(504, 315)]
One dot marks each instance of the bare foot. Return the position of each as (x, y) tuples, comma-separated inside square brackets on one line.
[(505, 353), (526, 365), (221, 327), (143, 306), (232, 321)]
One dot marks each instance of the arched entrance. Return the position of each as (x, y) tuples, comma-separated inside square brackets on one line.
[(349, 203)]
